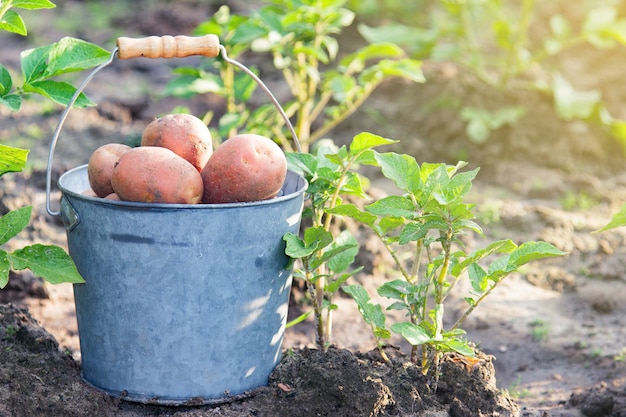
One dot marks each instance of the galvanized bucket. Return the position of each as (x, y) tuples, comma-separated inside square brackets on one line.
[(183, 304)]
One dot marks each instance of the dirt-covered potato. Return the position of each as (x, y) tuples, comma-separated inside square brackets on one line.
[(152, 174), (246, 167), (100, 167), (184, 134)]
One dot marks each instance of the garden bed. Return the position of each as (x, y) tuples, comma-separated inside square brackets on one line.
[(554, 333)]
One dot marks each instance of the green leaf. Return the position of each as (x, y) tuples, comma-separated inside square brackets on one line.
[(348, 248), (32, 4), (365, 140), (560, 26), (187, 86), (6, 83), (302, 163), (409, 69), (339, 281), (404, 35), (460, 346), (5, 268), (295, 247), (67, 55), (415, 231), (372, 313), (51, 263), (244, 86), (531, 251), (302, 317), (571, 104), (500, 246), (397, 289), (12, 159), (12, 101), (457, 187), (314, 238), (356, 61), (413, 333), (352, 211), (317, 53), (478, 278), (33, 62), (393, 205), (58, 91), (618, 220), (14, 222), (599, 18), (402, 169), (499, 268), (353, 185), (71, 54), (12, 22), (389, 223)]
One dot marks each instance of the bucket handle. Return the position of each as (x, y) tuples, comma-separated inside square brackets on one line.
[(160, 47)]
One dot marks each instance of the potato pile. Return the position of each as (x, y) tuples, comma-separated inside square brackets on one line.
[(176, 164)]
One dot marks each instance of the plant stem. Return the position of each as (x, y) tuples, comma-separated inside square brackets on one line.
[(228, 76), (473, 306), (327, 127), (513, 65), (317, 309)]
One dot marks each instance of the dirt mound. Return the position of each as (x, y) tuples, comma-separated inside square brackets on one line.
[(38, 379)]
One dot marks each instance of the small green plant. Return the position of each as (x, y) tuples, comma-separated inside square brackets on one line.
[(11, 330), (515, 391), (620, 357), (481, 122), (300, 35), (540, 330), (39, 66), (427, 221), (578, 201)]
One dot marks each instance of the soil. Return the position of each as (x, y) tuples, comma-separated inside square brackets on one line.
[(551, 337)]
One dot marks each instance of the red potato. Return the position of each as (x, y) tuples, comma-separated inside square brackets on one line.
[(100, 167), (152, 174), (184, 134), (113, 196), (244, 168)]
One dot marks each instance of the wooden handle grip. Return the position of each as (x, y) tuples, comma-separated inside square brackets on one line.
[(168, 46)]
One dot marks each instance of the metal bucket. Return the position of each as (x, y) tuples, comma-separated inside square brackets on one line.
[(182, 303)]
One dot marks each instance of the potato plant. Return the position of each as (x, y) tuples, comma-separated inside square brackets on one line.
[(508, 46), (326, 253), (39, 66), (301, 38), (427, 220)]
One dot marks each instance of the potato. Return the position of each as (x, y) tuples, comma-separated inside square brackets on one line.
[(100, 167), (113, 196), (184, 134), (244, 168), (152, 174)]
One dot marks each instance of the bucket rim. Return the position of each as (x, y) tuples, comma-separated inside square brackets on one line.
[(302, 186)]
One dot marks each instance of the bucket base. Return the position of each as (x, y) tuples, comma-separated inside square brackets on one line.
[(177, 402)]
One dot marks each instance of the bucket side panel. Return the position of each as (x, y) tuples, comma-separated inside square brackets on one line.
[(183, 303)]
